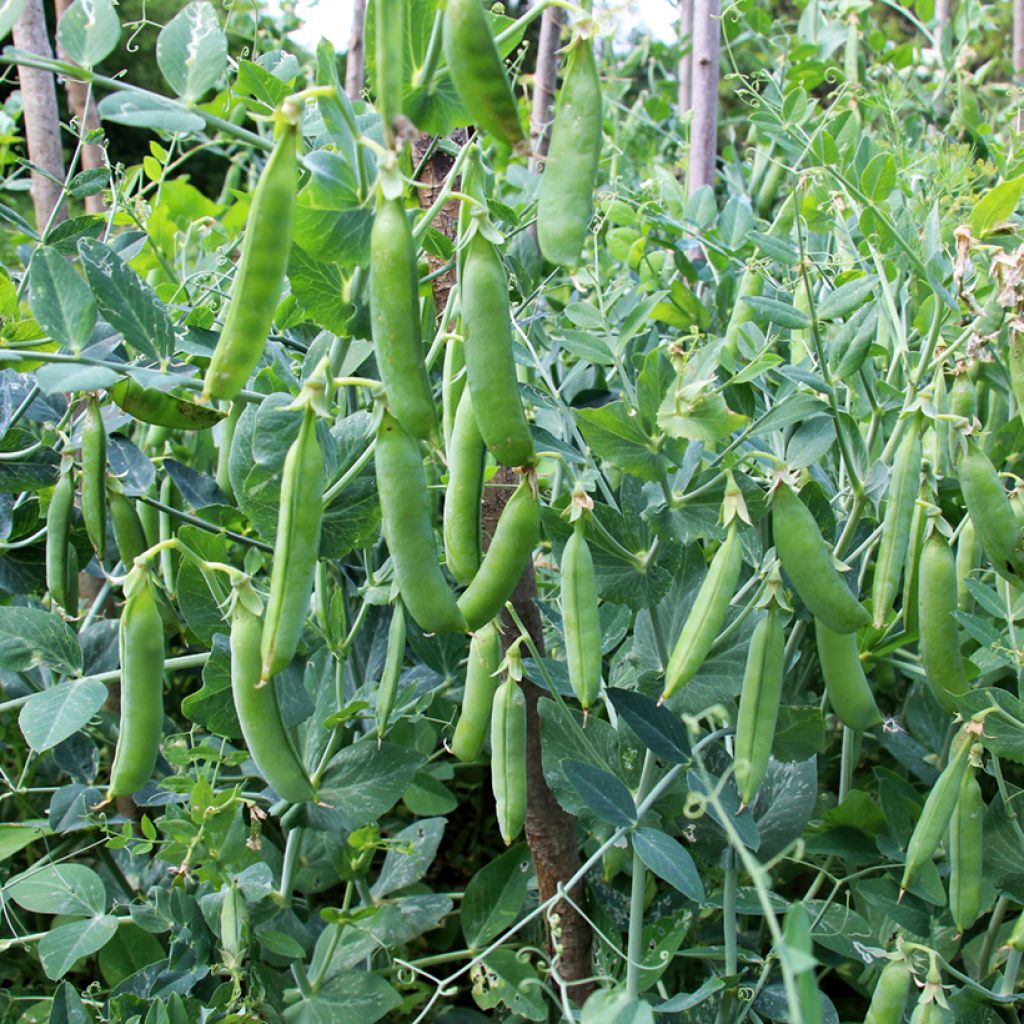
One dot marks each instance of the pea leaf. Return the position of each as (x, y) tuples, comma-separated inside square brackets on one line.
[(604, 793), (669, 860), (31, 637), (52, 715), (192, 51), (494, 897), (88, 31)]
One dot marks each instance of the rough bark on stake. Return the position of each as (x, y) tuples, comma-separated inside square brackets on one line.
[(942, 12), (704, 127), (83, 108), (42, 122), (545, 81), (686, 60), (355, 61), (550, 831)]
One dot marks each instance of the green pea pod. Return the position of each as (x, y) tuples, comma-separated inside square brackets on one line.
[(141, 645), (129, 535), (939, 631), (409, 531), (927, 1013), (847, 298), (707, 615), (514, 539), (453, 385), (807, 560), (490, 366), (851, 343), (259, 714), (296, 548), (911, 600), (968, 558), (62, 585), (261, 271), (234, 927), (565, 203), (904, 483), (581, 618), (797, 936), (395, 320), (392, 674), (989, 508), (963, 397), (223, 471), (759, 704), (462, 527), (478, 696), (389, 66), (149, 405), (478, 74), (1016, 939), (94, 477), (1015, 367), (508, 758), (966, 853), (890, 996), (849, 692), (938, 810), (769, 187)]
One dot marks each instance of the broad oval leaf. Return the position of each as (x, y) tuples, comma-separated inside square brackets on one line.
[(61, 301), (89, 31), (192, 51), (669, 860), (58, 889), (605, 794), (52, 715)]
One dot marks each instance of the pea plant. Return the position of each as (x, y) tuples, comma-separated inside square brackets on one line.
[(455, 572)]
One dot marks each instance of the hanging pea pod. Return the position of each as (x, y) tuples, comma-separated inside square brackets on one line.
[(389, 65), (94, 477), (890, 996), (392, 674), (991, 513), (508, 758), (966, 853), (61, 559), (849, 692), (478, 697), (462, 524), (968, 558), (581, 618), (129, 535), (148, 405)]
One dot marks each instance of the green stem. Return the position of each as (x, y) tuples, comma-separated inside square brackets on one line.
[(292, 849), (1009, 982), (635, 947), (846, 762), (989, 943)]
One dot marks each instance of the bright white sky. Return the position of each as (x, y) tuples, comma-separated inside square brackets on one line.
[(333, 18)]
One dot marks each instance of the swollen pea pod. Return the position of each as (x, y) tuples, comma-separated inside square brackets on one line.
[(508, 758), (989, 507), (1016, 939), (61, 560), (807, 560), (234, 927), (453, 385), (565, 203), (514, 539), (966, 853), (918, 524), (707, 615), (462, 526), (261, 270), (890, 996), (296, 548), (927, 1013), (490, 365), (389, 51), (409, 531), (94, 477), (968, 558), (141, 646), (580, 618), (939, 631), (904, 482), (963, 397), (395, 320), (759, 704), (223, 471), (478, 696), (934, 819), (849, 349), (478, 74), (148, 405), (392, 673), (129, 535), (848, 689), (259, 714)]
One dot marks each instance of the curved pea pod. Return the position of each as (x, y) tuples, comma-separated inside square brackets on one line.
[(904, 483), (409, 531), (234, 927), (296, 548), (149, 405), (259, 715), (849, 347), (963, 397), (508, 758), (478, 697), (966, 853), (395, 320), (478, 74), (927, 1013), (61, 563), (808, 562), (261, 270), (392, 674), (989, 507), (565, 203), (490, 365), (581, 618), (453, 385), (514, 539), (890, 996), (141, 646), (939, 631), (938, 809), (759, 704), (389, 66), (129, 535), (968, 558), (94, 477), (462, 526), (707, 615), (849, 692)]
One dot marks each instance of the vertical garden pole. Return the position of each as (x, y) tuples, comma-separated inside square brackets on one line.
[(704, 128)]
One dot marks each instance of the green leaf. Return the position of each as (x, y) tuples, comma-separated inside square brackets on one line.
[(212, 706), (614, 433), (318, 287), (697, 411), (775, 311), (62, 948), (658, 729), (88, 31), (410, 854), (604, 793), (365, 780), (192, 51), (352, 997), (1004, 733), (799, 733), (10, 12), (494, 896), (30, 637), (688, 1000), (847, 298), (669, 860), (58, 889), (147, 110), (15, 836), (608, 1006), (507, 979), (29, 473), (996, 206), (52, 715), (331, 221), (67, 1007), (879, 178), (61, 301), (130, 950)]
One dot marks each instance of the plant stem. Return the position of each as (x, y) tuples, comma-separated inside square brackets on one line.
[(994, 923)]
